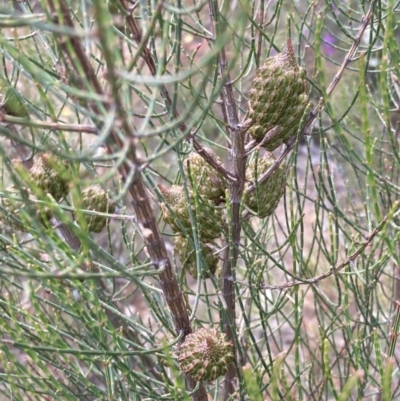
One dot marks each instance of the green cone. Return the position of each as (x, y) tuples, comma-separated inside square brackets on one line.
[(205, 354), (187, 255), (209, 183), (18, 213), (96, 198), (11, 103), (278, 98), (208, 217), (264, 200), (51, 174)]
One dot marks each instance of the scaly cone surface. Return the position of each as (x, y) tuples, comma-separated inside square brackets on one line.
[(278, 98), (187, 255), (11, 103), (205, 354), (51, 174), (209, 183), (264, 200), (208, 218), (96, 198), (18, 213)]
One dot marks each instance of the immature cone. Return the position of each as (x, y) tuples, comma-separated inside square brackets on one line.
[(20, 213), (11, 103), (264, 200), (278, 98), (205, 354), (51, 174), (96, 198), (206, 215), (187, 254), (209, 183)]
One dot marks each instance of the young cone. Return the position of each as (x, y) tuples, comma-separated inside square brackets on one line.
[(187, 254), (208, 217), (19, 214), (11, 103), (51, 175), (278, 98), (209, 183), (264, 200), (205, 354), (96, 198)]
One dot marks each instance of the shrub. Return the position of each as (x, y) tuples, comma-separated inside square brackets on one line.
[(199, 191)]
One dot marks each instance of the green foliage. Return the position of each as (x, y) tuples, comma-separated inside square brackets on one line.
[(127, 97)]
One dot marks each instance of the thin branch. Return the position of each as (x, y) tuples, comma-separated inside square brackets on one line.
[(350, 54), (23, 152), (90, 129), (333, 270), (212, 161)]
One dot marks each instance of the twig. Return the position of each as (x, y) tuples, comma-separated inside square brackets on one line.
[(154, 242), (333, 270), (321, 381), (207, 156), (350, 54), (90, 129), (253, 145), (24, 154)]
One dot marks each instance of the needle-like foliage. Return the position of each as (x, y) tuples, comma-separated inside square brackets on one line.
[(149, 238)]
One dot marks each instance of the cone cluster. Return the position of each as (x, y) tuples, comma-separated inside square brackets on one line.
[(205, 354), (208, 183), (176, 214), (278, 98), (49, 175), (207, 189)]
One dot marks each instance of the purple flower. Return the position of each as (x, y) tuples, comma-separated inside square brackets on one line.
[(328, 41)]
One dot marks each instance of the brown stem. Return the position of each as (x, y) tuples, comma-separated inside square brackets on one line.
[(237, 166), (154, 242), (213, 162), (23, 152)]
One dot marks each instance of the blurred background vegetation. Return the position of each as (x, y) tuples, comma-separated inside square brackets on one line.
[(83, 315)]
